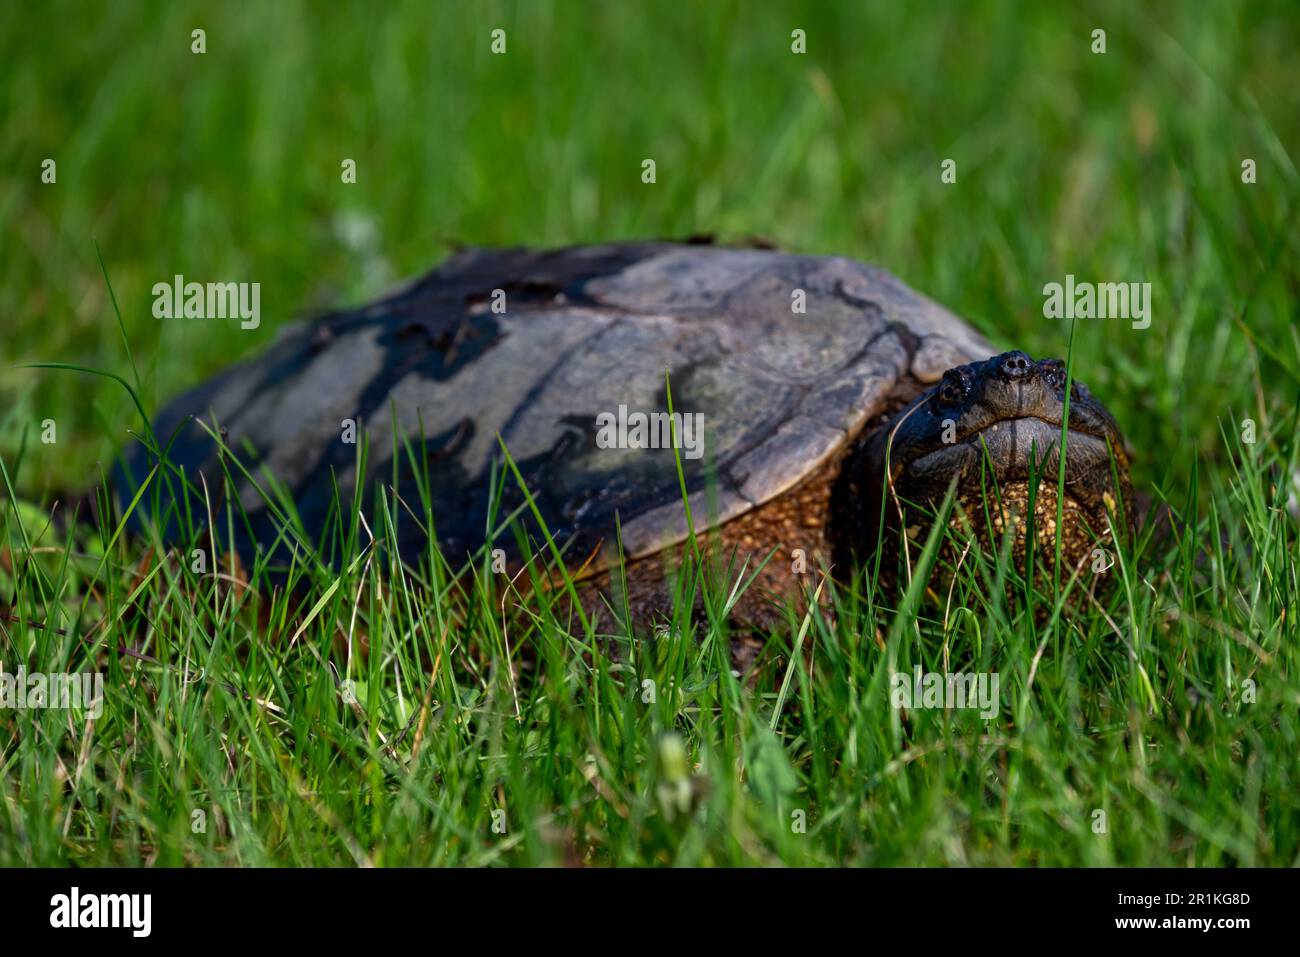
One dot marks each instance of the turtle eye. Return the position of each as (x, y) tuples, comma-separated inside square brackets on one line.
[(1054, 374), (953, 389)]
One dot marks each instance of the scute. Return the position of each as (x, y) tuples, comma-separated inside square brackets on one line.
[(585, 331)]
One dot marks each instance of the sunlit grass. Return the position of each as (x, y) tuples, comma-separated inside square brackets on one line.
[(370, 712)]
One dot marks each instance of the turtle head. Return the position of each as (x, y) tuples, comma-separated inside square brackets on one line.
[(994, 428)]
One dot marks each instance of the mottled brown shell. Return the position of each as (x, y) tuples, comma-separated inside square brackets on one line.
[(785, 356)]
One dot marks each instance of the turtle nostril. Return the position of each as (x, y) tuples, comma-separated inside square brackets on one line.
[(1015, 365)]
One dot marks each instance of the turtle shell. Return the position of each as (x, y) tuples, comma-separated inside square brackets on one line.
[(558, 355)]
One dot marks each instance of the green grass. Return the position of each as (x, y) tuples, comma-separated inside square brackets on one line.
[(231, 701)]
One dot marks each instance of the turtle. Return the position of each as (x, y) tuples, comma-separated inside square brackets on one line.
[(806, 408)]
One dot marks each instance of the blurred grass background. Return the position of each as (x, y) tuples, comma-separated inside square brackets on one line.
[(1123, 166)]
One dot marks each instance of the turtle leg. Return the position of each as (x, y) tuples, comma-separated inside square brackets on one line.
[(776, 555)]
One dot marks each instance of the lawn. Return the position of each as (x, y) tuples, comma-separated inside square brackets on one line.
[(375, 713)]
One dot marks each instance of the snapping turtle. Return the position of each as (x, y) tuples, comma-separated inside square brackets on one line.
[(795, 381)]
